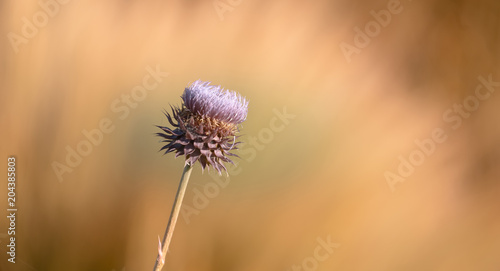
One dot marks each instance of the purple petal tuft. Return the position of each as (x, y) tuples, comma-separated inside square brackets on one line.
[(215, 102)]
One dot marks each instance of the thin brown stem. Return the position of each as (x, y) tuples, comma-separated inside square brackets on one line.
[(162, 251)]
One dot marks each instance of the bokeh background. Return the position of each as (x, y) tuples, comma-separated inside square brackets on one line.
[(320, 174)]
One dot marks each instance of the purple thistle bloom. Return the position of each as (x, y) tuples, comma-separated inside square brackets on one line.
[(205, 126), (212, 101)]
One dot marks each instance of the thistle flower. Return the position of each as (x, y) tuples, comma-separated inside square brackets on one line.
[(205, 128), (205, 125)]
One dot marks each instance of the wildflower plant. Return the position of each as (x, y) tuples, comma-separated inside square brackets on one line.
[(204, 129)]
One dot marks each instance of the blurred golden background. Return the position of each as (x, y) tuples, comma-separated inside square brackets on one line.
[(339, 92)]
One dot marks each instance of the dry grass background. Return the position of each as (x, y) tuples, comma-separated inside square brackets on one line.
[(323, 175)]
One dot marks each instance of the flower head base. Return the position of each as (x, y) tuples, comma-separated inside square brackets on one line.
[(205, 126)]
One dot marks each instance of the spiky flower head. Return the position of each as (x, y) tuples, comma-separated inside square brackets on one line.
[(205, 126)]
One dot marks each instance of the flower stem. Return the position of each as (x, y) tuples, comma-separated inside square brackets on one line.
[(160, 261)]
